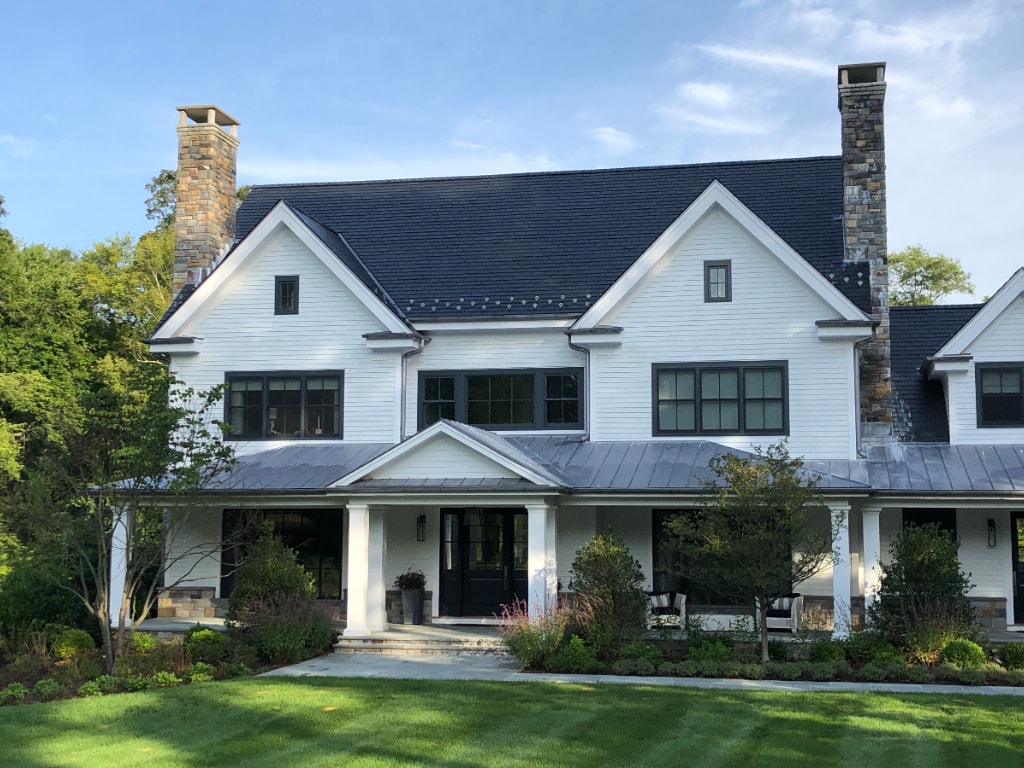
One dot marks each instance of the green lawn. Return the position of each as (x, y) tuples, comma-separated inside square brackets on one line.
[(334, 722)]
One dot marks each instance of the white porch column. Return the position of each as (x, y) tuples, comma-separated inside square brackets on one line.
[(118, 564), (377, 614), (365, 611), (840, 513), (872, 554), (542, 566)]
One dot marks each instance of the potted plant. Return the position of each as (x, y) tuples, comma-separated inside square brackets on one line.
[(412, 583)]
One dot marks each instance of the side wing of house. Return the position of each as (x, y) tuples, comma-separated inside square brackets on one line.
[(982, 371)]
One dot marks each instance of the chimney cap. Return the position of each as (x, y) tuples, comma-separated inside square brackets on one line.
[(862, 74), (207, 113)]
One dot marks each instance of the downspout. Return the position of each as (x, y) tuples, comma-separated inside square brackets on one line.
[(404, 390)]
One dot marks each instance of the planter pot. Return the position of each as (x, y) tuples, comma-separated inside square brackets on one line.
[(412, 605)]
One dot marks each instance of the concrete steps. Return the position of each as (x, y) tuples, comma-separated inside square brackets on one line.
[(398, 643)]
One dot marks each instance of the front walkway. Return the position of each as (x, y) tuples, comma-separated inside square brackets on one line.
[(500, 668)]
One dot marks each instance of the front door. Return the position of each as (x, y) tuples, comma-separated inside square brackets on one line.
[(1017, 544), (483, 560)]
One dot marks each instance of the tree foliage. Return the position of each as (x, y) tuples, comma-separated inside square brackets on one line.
[(918, 277), (757, 533)]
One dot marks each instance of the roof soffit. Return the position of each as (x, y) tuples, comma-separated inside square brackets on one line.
[(716, 195)]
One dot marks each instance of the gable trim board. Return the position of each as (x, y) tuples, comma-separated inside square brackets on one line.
[(716, 195), (280, 216), (960, 344)]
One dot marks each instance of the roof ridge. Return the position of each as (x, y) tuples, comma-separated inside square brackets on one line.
[(560, 172)]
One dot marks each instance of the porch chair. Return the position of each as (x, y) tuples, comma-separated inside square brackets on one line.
[(784, 612), (666, 609)]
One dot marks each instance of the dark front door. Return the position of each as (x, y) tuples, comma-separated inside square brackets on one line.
[(483, 560), (1017, 543)]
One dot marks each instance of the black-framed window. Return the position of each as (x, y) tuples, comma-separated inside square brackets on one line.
[(717, 399), (521, 399), (284, 405), (316, 535), (943, 517), (286, 295), (1000, 395), (717, 281)]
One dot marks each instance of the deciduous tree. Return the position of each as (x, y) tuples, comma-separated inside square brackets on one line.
[(918, 277)]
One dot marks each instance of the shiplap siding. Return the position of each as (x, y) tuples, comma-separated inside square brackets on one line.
[(193, 551), (771, 317), (1001, 342), (240, 332), (404, 552), (635, 524), (575, 527), (473, 350)]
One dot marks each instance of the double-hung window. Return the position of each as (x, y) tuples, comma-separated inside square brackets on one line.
[(1000, 395), (286, 295), (526, 399), (719, 399), (287, 405)]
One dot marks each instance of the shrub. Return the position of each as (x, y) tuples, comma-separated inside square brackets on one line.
[(575, 657), (784, 670), (639, 649), (283, 629), (1012, 655), (778, 650), (918, 673), (143, 642), (205, 644), (140, 683), (46, 688), (1014, 677), (826, 651), (534, 640), (13, 693), (625, 667), (709, 649), (883, 668), (164, 679), (89, 688), (413, 578), (922, 599), (236, 669), (963, 653), (268, 570), (610, 582), (71, 644), (32, 595), (861, 647), (200, 672), (109, 683), (971, 677), (164, 656)]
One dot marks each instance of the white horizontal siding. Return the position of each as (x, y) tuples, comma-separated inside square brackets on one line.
[(240, 332), (771, 317), (193, 549), (442, 458), (1001, 342), (464, 350)]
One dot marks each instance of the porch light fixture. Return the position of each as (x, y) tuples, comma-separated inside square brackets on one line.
[(421, 529), (991, 532)]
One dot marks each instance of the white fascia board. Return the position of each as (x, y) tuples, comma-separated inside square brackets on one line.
[(187, 345), (844, 333), (937, 368), (279, 216), (504, 498), (716, 194), (494, 325), (985, 316), (394, 345), (428, 435)]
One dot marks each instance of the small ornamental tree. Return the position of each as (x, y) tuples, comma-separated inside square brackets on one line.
[(922, 596), (610, 582), (755, 536)]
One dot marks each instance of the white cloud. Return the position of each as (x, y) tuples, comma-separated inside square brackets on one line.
[(614, 141), (16, 145), (712, 94), (770, 59)]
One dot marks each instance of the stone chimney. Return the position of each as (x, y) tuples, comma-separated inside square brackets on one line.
[(861, 100), (204, 200)]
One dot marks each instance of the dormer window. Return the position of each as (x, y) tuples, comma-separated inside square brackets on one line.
[(1000, 395), (286, 295), (717, 281)]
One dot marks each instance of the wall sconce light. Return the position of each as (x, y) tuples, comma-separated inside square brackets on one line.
[(421, 528), (991, 532)]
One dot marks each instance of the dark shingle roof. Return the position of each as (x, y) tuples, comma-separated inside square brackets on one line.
[(916, 333), (551, 243)]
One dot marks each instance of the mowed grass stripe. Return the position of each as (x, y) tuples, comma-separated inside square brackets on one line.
[(330, 722)]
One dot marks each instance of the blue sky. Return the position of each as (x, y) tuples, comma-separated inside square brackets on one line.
[(339, 90)]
